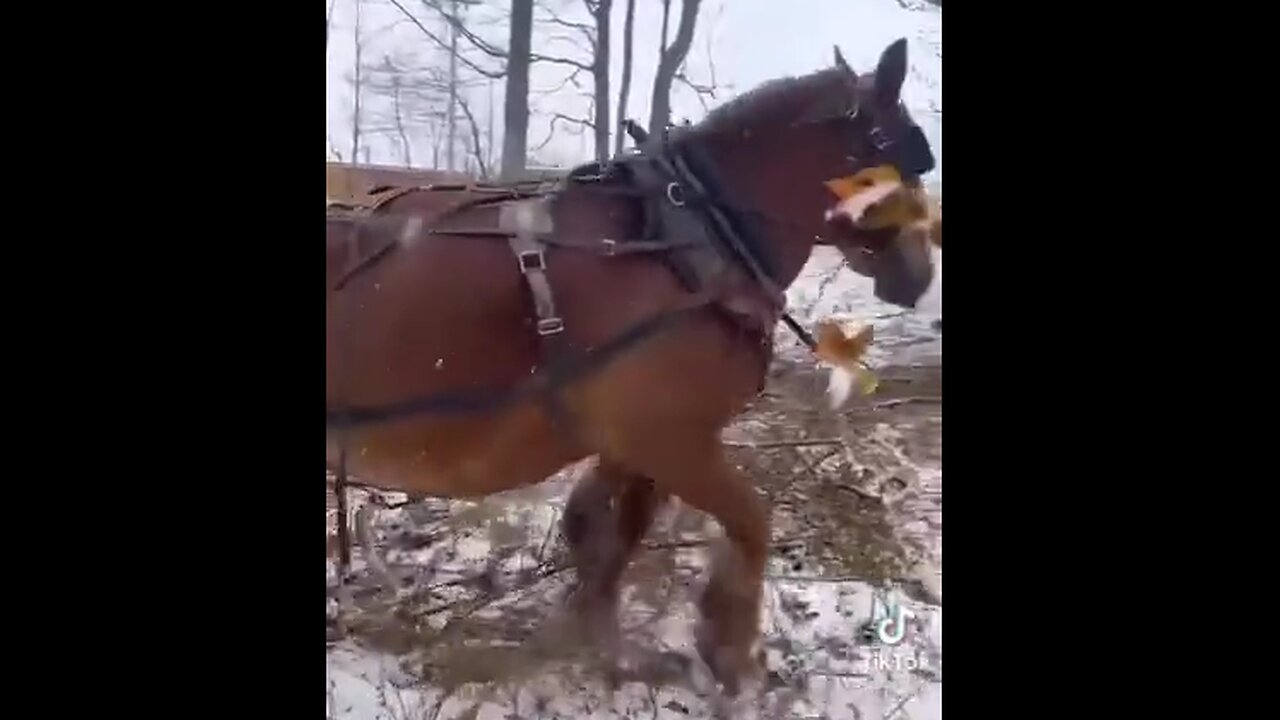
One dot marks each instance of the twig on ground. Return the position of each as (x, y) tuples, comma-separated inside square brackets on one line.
[(772, 444), (364, 531), (702, 542), (858, 491), (820, 579), (837, 674), (489, 598), (897, 708), (550, 529), (895, 402)]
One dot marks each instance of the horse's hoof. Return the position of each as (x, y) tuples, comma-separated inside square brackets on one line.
[(730, 666)]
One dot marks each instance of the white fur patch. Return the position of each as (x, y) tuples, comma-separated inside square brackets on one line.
[(857, 205)]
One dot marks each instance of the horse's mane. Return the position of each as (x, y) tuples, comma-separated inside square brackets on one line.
[(775, 101)]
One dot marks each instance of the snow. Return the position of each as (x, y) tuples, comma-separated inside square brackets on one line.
[(811, 624)]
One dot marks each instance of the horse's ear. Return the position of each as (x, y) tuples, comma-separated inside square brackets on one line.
[(891, 73), (840, 61)]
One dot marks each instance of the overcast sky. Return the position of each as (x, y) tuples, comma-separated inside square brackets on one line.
[(750, 42)]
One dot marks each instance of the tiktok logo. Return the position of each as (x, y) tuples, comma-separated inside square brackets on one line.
[(890, 621)]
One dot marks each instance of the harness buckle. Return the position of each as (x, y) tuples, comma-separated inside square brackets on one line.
[(531, 260), (550, 326), (675, 194)]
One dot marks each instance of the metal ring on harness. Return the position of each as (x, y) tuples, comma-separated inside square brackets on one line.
[(675, 194)]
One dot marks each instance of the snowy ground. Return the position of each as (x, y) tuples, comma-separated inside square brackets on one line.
[(477, 628)]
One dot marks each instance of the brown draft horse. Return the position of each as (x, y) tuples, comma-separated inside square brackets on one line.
[(450, 373)]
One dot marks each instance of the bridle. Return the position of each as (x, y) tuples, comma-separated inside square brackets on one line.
[(909, 154)]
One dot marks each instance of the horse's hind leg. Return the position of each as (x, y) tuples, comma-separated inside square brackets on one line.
[(606, 516)]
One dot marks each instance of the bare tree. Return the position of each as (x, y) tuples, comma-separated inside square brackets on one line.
[(451, 114), (670, 60), (514, 62), (514, 66), (597, 35), (405, 145), (706, 90), (357, 90), (477, 148), (601, 10), (628, 27), (515, 112), (405, 90), (412, 91)]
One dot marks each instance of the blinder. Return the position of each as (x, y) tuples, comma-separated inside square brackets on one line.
[(914, 156), (909, 154)]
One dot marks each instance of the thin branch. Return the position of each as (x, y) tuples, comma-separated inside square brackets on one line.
[(587, 31), (575, 43), (475, 138), (895, 402), (495, 74), (701, 91), (817, 442), (782, 542), (571, 78), (864, 494), (551, 129), (534, 57), (576, 121), (480, 43)]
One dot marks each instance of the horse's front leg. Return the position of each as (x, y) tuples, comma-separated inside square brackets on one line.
[(693, 468)]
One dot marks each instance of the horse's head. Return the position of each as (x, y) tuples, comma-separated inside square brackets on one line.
[(895, 253), (782, 142)]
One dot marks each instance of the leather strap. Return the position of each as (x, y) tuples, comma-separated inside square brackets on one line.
[(528, 222)]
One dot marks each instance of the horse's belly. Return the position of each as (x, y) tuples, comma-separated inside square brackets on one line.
[(457, 457)]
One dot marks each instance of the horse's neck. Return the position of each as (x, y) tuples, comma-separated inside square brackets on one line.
[(789, 213)]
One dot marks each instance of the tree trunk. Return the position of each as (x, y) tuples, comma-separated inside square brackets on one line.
[(356, 91), (668, 62), (451, 115), (627, 27), (404, 136), (600, 73), (515, 123), (488, 142)]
